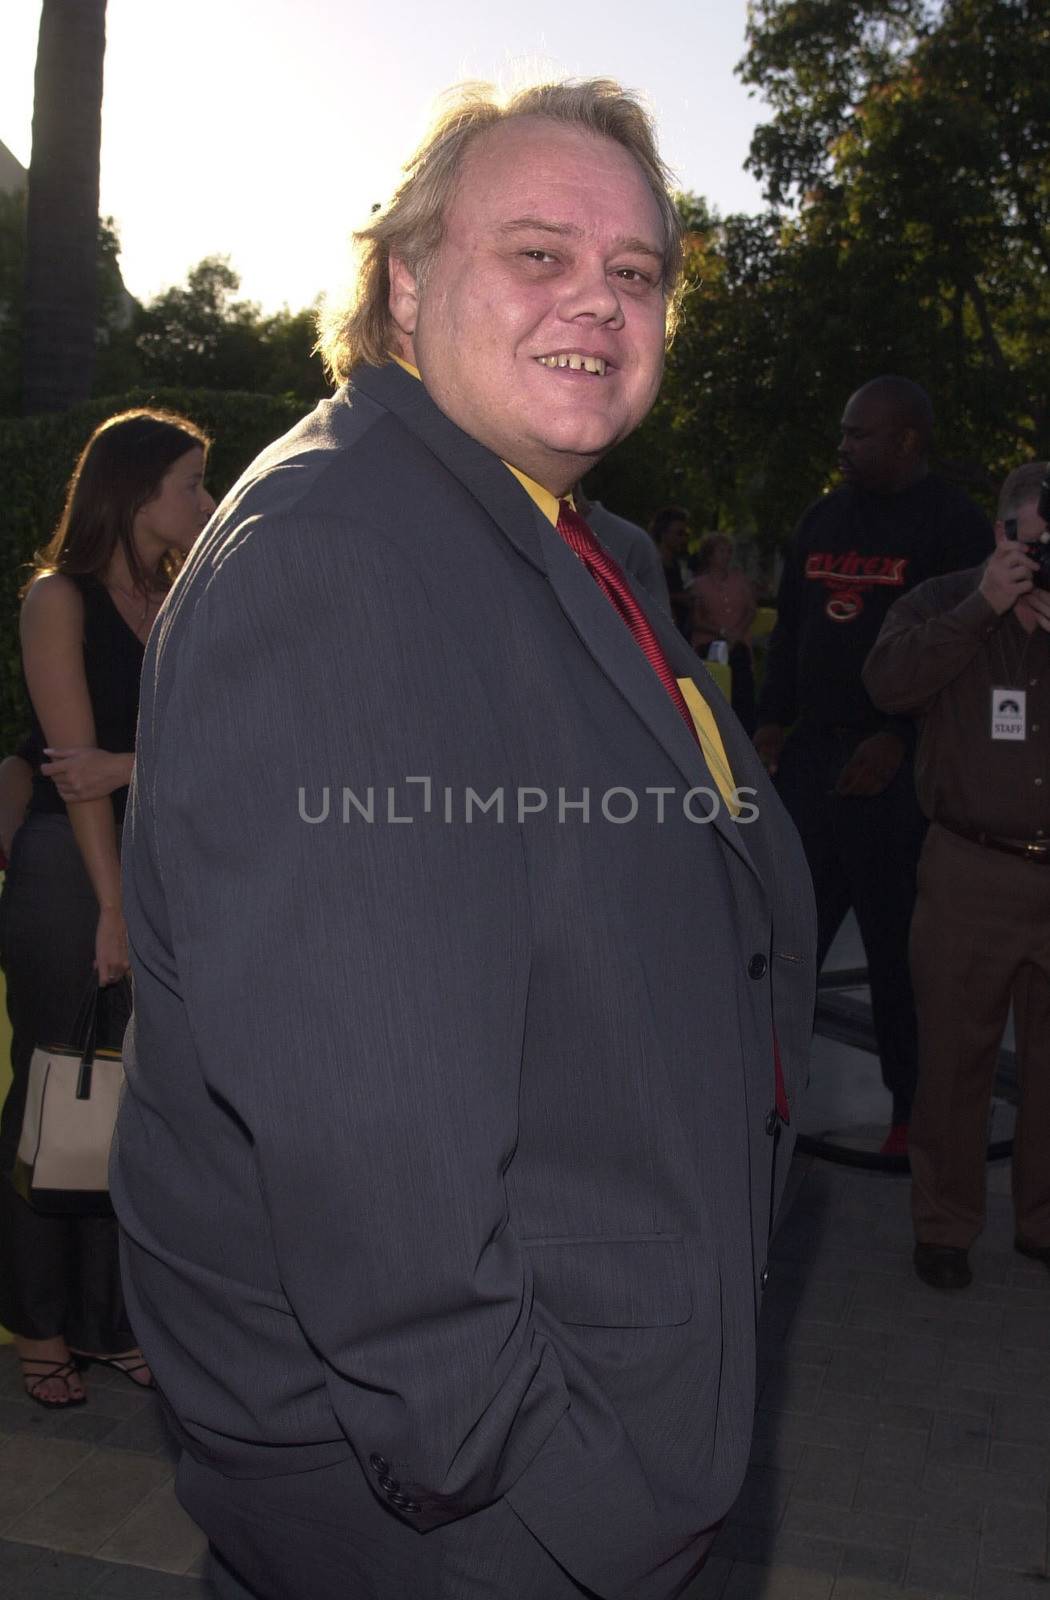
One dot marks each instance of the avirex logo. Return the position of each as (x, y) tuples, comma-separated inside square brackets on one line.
[(848, 575)]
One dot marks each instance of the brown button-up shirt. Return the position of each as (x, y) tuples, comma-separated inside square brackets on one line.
[(941, 653)]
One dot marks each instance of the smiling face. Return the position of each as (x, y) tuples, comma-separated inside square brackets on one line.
[(539, 324)]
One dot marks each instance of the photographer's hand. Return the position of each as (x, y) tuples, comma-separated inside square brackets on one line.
[(1007, 576), (1038, 603)]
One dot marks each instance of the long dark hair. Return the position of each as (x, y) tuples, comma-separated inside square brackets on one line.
[(119, 471)]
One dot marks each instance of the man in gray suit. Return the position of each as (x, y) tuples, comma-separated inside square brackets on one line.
[(473, 957)]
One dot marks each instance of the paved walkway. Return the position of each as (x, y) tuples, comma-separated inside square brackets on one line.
[(902, 1445)]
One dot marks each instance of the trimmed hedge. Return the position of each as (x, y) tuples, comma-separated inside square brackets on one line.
[(37, 455)]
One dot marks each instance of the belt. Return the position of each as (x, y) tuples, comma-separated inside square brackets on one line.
[(1029, 849)]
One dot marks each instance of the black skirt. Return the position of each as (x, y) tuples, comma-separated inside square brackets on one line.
[(58, 1275)]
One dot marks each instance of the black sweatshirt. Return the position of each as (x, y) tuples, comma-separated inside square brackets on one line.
[(852, 555)]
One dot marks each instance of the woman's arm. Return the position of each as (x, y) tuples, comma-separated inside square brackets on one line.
[(87, 773), (52, 629)]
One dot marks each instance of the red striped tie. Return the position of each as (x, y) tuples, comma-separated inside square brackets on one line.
[(579, 536), (607, 575)]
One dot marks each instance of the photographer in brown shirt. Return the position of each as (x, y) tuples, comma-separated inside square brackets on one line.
[(969, 653)]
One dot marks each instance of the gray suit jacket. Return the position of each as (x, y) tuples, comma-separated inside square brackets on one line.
[(448, 1142)]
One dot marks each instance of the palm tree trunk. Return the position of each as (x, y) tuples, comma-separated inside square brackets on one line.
[(62, 206)]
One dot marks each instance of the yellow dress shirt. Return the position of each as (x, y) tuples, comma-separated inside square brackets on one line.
[(703, 720)]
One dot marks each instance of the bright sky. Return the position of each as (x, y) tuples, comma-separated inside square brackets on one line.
[(265, 129)]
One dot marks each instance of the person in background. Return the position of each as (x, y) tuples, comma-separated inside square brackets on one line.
[(629, 543), (134, 506), (970, 654), (842, 766), (723, 608), (669, 530)]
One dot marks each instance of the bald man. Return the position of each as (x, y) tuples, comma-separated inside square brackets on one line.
[(845, 771)]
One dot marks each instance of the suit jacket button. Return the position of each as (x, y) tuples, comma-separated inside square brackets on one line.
[(412, 1507), (771, 1122), (758, 966), (387, 1484), (377, 1463), (763, 1278)]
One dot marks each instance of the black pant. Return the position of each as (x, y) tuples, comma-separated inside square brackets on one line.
[(863, 853), (743, 671), (58, 1275)]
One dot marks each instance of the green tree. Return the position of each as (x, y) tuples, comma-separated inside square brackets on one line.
[(202, 335), (913, 142), (291, 367)]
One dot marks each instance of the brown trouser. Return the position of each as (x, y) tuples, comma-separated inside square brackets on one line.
[(980, 938)]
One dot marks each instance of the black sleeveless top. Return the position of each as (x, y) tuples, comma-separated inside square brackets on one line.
[(113, 666)]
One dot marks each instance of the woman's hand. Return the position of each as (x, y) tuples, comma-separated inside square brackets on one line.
[(87, 773), (111, 946)]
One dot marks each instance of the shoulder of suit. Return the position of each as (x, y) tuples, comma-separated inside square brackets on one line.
[(318, 470), (603, 518)]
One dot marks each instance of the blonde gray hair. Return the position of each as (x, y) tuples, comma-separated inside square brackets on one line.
[(359, 330), (1022, 485)]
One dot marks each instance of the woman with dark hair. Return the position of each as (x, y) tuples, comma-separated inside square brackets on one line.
[(135, 504)]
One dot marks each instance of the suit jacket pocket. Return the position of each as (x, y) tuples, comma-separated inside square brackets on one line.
[(613, 1283)]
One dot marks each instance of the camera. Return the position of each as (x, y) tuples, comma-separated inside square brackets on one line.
[(1040, 550)]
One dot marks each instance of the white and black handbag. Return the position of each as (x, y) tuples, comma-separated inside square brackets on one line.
[(62, 1166)]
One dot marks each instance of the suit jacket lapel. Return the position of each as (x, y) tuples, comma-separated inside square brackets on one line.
[(599, 628)]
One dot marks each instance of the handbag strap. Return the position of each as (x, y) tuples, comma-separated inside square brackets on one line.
[(88, 1022), (96, 1000), (85, 1028)]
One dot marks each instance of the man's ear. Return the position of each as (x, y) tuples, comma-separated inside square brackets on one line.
[(1000, 532), (404, 296), (908, 442)]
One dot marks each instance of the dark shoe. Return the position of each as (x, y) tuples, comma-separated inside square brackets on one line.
[(942, 1266), (44, 1372), (1035, 1252)]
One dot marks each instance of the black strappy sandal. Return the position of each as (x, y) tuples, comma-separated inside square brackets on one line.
[(127, 1366), (63, 1370)]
